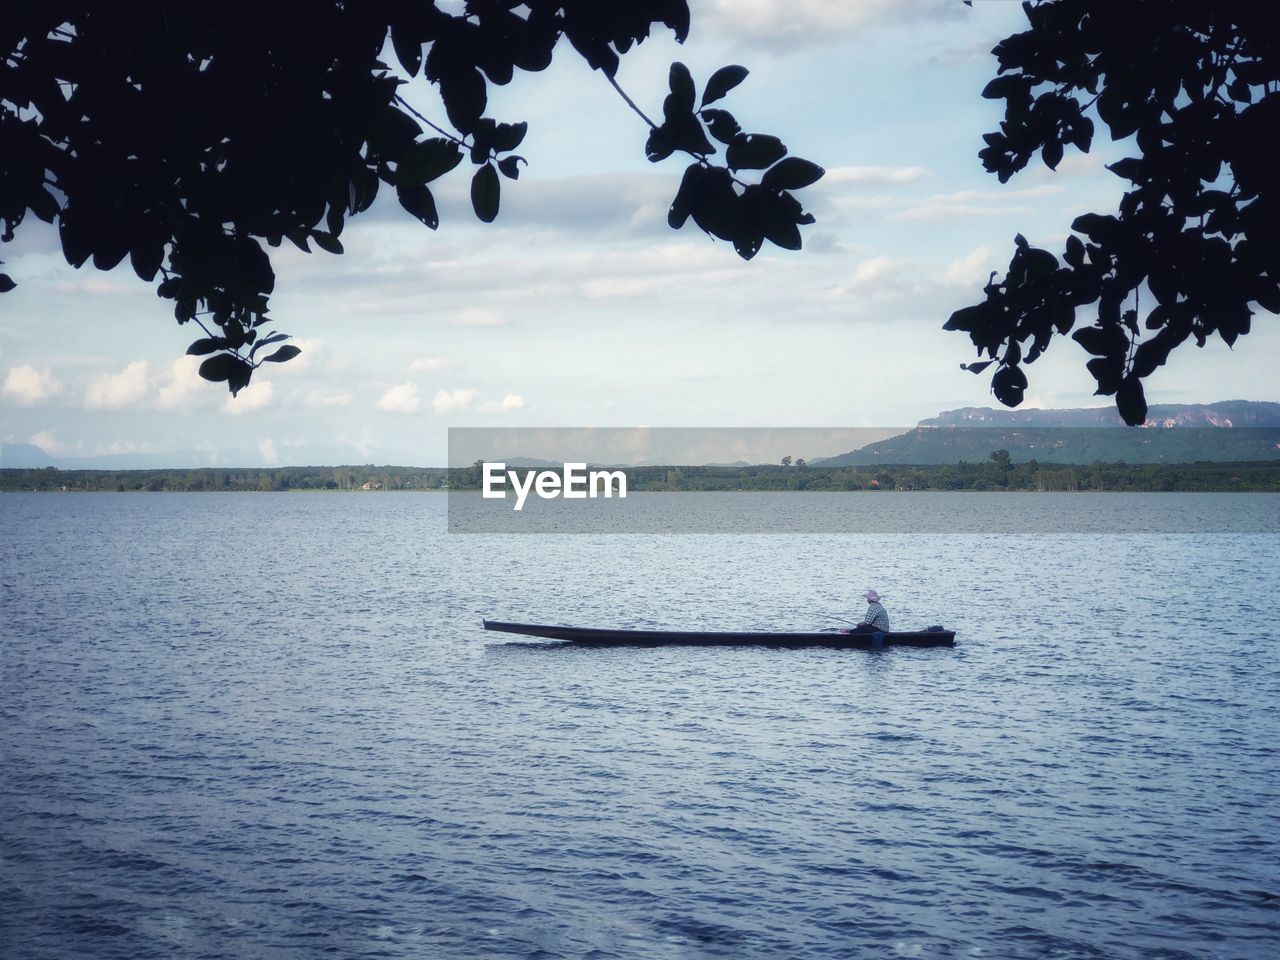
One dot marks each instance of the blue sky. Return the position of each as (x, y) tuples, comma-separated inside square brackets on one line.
[(580, 307)]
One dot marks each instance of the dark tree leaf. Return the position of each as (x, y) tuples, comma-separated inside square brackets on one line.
[(111, 247), (1082, 134), (777, 219), (1009, 384), (465, 97), (408, 49), (976, 367), (1075, 252), (1154, 352), (206, 345), (682, 88), (968, 319), (361, 191), (1051, 154), (1109, 372), (1039, 262), (419, 202), (266, 342), (486, 190), (722, 81), (1266, 293), (287, 352), (510, 167), (715, 207), (1131, 168), (686, 134), (747, 243), (1104, 230), (43, 205), (755, 151), (681, 206), (659, 146), (76, 246), (1012, 87), (253, 266), (482, 139), (508, 136), (427, 161), (327, 241), (792, 173), (229, 368), (1131, 401), (721, 124), (6, 283), (1106, 341)]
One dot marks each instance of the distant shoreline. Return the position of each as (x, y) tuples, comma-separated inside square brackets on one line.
[(991, 476)]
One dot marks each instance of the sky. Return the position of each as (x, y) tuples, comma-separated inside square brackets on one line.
[(580, 307)]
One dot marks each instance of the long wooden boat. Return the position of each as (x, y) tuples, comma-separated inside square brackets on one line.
[(589, 636)]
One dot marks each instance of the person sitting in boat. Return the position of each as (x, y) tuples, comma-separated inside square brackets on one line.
[(876, 618)]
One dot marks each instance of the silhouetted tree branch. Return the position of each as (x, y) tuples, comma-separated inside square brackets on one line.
[(1196, 238), (187, 136)]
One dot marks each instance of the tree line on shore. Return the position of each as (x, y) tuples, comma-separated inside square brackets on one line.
[(997, 473)]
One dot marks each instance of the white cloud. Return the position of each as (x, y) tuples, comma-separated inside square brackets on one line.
[(323, 398), (258, 395), (447, 401), (98, 287), (879, 278), (184, 385), (267, 450), (512, 401), (971, 269), (478, 317), (430, 365), (402, 398), (874, 175), (965, 204), (787, 24), (873, 272), (116, 391), (47, 441), (624, 287), (934, 211), (27, 386)]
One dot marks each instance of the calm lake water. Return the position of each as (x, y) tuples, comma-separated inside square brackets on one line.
[(270, 726)]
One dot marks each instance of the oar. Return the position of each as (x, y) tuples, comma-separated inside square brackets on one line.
[(827, 616)]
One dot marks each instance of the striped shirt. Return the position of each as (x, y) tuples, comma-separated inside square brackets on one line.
[(877, 616)]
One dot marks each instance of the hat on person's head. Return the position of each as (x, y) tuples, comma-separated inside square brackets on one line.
[(872, 596)]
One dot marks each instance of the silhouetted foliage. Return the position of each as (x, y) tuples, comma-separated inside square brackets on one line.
[(185, 136), (1195, 244)]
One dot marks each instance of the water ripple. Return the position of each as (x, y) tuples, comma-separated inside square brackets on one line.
[(294, 741)]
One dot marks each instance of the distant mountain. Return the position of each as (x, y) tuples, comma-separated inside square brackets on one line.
[(23, 456), (1229, 413), (1174, 433)]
